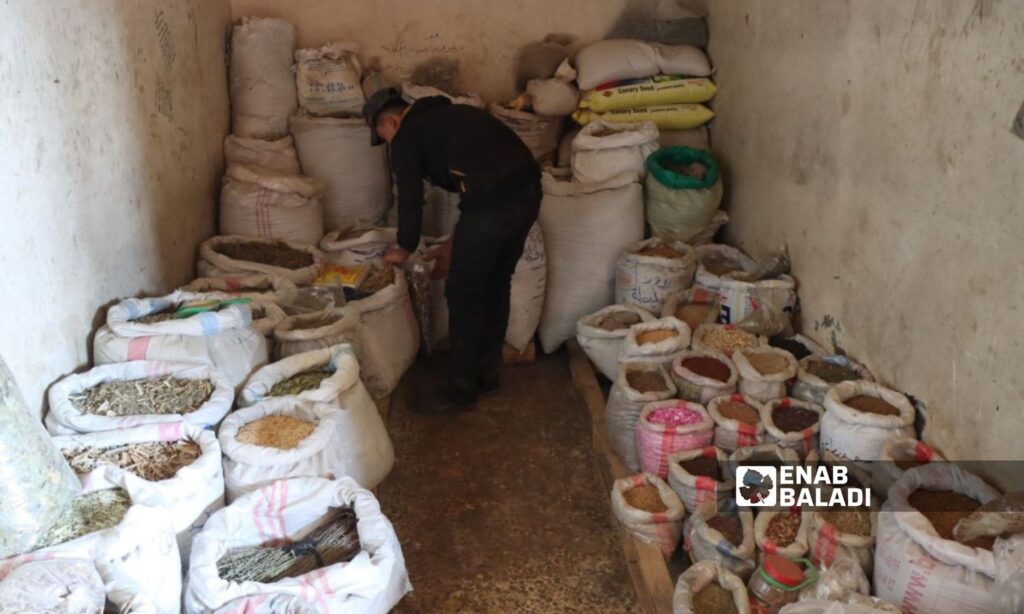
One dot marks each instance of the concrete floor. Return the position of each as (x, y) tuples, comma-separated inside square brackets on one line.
[(502, 509)]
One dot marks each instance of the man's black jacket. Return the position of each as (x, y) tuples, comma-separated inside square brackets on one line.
[(458, 148)]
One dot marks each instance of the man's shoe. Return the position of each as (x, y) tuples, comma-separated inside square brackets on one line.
[(489, 384), (443, 401)]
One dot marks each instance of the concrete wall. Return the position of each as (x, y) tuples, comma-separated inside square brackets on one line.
[(114, 113), (874, 138), (483, 35)]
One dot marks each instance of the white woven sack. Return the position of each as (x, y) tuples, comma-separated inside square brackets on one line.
[(764, 453), (885, 473), (191, 495), (604, 150), (54, 586), (138, 561), (827, 544), (614, 60), (705, 543), (697, 388), (661, 530), (287, 510), (327, 80), (344, 328), (278, 155), (796, 549), (256, 287), (222, 339), (268, 603), (648, 281), (624, 407), (389, 336), (552, 97), (810, 387), (261, 79), (248, 467), (215, 264), (698, 576), (586, 227), (266, 317), (260, 202), (663, 352), (741, 298), (338, 151), (353, 244), (696, 491), (762, 387), (703, 329), (920, 570), (604, 347), (526, 301), (540, 134), (804, 442), (731, 434), (855, 435), (682, 60), (65, 419), (363, 438), (412, 92)]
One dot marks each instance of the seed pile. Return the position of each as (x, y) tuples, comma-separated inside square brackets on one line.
[(87, 514), (155, 318), (794, 347), (945, 508), (766, 363), (275, 253), (299, 383), (831, 372), (645, 497), (694, 314), (660, 251), (147, 396), (334, 541), (794, 419), (782, 529), (728, 339), (618, 321), (731, 527), (856, 521), (281, 432), (708, 367), (704, 467), (153, 462), (872, 405), (694, 169), (646, 381), (714, 599), (320, 321), (738, 410), (655, 336), (674, 416), (377, 279), (720, 267)]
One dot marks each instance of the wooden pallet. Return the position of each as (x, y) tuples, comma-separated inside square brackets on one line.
[(647, 569)]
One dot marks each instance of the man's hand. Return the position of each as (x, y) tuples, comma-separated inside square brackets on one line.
[(442, 257), (396, 256)]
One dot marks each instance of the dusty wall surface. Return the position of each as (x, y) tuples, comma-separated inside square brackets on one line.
[(114, 114), (483, 35), (874, 138)]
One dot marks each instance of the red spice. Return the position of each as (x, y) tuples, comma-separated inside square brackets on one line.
[(706, 366)]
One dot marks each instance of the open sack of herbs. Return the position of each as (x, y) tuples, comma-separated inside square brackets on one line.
[(163, 395)]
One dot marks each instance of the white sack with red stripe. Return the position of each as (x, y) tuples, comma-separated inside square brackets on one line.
[(793, 550), (222, 339), (696, 490), (899, 450), (255, 286), (268, 603), (660, 529), (363, 437), (678, 425), (389, 336), (137, 560), (286, 511), (764, 386), (731, 434), (250, 466), (66, 419), (260, 202), (828, 544), (625, 404), (191, 495), (705, 543), (697, 577), (803, 442)]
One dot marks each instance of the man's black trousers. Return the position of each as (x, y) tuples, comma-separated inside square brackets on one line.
[(489, 239)]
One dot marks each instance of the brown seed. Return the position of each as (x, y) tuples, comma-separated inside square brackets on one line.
[(856, 521), (646, 381), (794, 419), (727, 340), (831, 373), (274, 253), (872, 405), (282, 432), (694, 314), (945, 508), (714, 599), (703, 466), (766, 363), (645, 497), (655, 336), (782, 529), (618, 320), (731, 527), (708, 367), (737, 410)]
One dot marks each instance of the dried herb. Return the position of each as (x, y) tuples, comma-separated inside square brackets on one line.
[(377, 279), (281, 432), (150, 461), (155, 318), (297, 384), (334, 541), (318, 322), (146, 396), (274, 253), (87, 514)]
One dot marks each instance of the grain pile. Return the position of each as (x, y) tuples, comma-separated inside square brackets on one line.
[(694, 314), (831, 372), (618, 320), (945, 508), (319, 321), (708, 367), (155, 318), (377, 279), (766, 363), (150, 461), (738, 410), (728, 340), (646, 381), (646, 498), (872, 405), (856, 521), (703, 466), (281, 432), (275, 253), (87, 514), (679, 415), (146, 396), (655, 336), (335, 541), (693, 169), (731, 528), (783, 528), (299, 383), (794, 419), (714, 599)]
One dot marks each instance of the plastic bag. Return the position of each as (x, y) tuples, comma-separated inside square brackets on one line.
[(388, 336), (56, 586), (649, 92), (420, 294), (665, 117)]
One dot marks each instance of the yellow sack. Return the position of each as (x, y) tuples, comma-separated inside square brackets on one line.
[(649, 92), (667, 117)]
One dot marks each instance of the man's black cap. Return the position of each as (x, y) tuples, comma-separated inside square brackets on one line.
[(380, 100)]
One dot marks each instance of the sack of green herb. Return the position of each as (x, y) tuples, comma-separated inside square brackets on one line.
[(132, 547), (314, 331), (172, 465), (230, 255), (330, 377), (130, 394), (245, 539), (278, 439), (147, 329)]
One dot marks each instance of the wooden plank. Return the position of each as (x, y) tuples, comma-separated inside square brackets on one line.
[(647, 568)]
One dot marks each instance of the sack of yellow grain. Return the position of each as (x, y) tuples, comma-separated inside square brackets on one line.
[(666, 117), (649, 92)]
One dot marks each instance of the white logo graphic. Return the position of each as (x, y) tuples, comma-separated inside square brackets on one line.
[(756, 485)]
